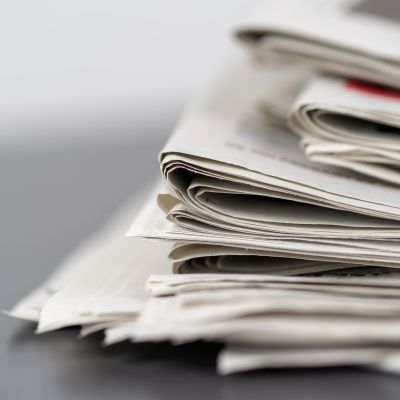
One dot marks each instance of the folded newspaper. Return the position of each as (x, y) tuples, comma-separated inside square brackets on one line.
[(102, 282), (284, 250), (357, 38), (267, 321), (286, 262), (345, 122), (242, 188), (350, 124)]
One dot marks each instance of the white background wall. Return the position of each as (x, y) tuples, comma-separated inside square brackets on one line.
[(73, 69)]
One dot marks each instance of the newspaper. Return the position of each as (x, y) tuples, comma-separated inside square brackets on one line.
[(284, 256), (161, 321), (345, 122), (239, 358), (350, 124), (240, 186), (224, 150), (235, 358), (101, 287), (101, 283), (355, 38), (151, 223), (356, 286), (271, 252), (267, 327)]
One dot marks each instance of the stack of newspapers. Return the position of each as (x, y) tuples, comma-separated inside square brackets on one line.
[(276, 227)]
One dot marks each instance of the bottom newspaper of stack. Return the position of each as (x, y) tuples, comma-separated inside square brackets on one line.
[(125, 287)]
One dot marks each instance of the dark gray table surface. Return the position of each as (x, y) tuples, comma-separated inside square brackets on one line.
[(51, 198)]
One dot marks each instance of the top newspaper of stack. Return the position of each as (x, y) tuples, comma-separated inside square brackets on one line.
[(238, 181), (357, 38), (342, 119)]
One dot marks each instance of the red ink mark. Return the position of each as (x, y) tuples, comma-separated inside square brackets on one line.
[(373, 89)]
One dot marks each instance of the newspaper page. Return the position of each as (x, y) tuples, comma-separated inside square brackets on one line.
[(350, 124), (356, 38)]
